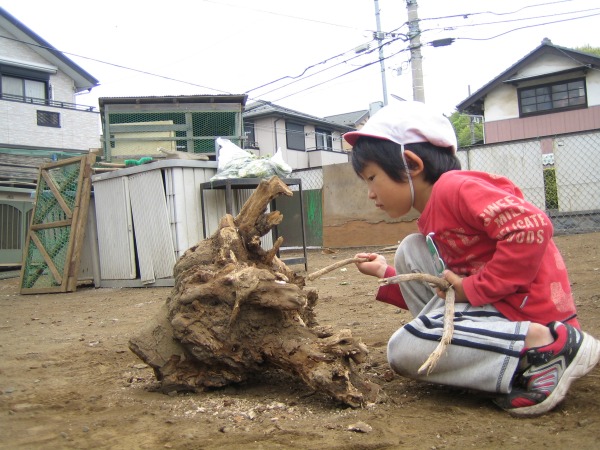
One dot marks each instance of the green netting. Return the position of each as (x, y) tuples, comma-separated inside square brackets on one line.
[(212, 124), (48, 208), (141, 133), (54, 226), (37, 273)]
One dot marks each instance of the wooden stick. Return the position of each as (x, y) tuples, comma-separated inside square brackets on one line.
[(107, 164), (334, 266), (430, 363), (424, 277), (442, 284)]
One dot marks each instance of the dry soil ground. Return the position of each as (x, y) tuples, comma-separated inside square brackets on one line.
[(68, 380)]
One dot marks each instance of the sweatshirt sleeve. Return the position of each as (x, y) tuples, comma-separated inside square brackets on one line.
[(391, 293)]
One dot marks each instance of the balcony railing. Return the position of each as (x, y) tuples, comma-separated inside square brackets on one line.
[(46, 102)]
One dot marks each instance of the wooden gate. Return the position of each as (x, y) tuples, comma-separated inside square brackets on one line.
[(55, 238)]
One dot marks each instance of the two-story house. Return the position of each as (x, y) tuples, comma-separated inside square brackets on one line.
[(305, 141), (552, 90), (39, 122)]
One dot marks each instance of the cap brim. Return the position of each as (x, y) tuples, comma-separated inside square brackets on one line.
[(352, 136)]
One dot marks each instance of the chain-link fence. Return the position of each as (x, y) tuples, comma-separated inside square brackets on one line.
[(311, 178), (560, 175)]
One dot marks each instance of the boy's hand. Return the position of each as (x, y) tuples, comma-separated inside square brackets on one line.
[(456, 282), (375, 267)]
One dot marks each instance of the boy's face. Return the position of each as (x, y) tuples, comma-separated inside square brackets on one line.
[(389, 195)]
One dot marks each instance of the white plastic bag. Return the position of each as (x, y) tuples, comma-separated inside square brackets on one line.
[(282, 168), (235, 162)]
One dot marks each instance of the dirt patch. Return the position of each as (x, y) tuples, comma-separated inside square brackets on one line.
[(68, 380)]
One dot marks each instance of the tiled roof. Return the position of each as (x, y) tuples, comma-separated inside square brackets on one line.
[(350, 119), (263, 108)]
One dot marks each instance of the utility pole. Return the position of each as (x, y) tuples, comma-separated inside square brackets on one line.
[(379, 37), (416, 60)]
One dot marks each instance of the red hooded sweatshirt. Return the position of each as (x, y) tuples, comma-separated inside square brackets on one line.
[(486, 232)]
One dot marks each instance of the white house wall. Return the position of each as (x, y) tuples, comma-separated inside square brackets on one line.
[(325, 158), (593, 87), (62, 85), (501, 104), (270, 135), (79, 130), (548, 63), (264, 135)]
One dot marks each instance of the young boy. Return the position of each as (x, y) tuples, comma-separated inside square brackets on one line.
[(516, 332)]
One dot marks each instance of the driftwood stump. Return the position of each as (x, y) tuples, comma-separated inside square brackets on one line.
[(237, 310)]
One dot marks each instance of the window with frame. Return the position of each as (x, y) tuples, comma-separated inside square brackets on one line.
[(552, 97), (294, 134), (323, 138), (17, 83)]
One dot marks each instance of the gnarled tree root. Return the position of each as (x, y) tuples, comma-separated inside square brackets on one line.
[(237, 310)]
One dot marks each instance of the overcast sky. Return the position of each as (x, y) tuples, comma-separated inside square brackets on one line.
[(302, 53)]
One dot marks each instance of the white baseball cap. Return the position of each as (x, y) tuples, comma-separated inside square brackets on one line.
[(405, 123)]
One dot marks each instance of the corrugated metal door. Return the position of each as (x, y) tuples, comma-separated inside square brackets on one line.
[(155, 249), (115, 230)]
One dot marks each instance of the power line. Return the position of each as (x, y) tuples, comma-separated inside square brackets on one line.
[(331, 67), (528, 26), (284, 15), (465, 15), (429, 43), (447, 41), (517, 20), (301, 76), (52, 49), (342, 75)]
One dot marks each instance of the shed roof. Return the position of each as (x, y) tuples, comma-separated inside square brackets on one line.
[(173, 99)]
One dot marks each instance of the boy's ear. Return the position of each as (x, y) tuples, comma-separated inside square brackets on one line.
[(415, 164)]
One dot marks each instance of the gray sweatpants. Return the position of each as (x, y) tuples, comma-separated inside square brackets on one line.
[(485, 349)]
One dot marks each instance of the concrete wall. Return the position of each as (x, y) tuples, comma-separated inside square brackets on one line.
[(350, 219)]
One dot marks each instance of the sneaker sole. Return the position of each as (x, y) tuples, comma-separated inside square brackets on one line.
[(586, 359)]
